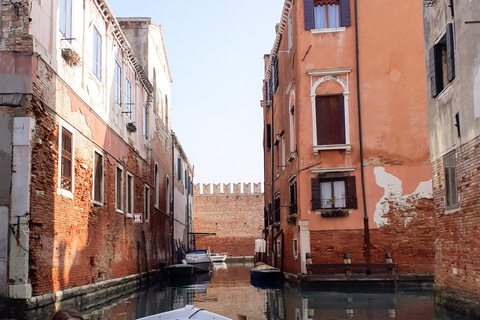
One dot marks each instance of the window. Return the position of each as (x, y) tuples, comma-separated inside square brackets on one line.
[(326, 14), (276, 213), (119, 190), (118, 84), (66, 18), (97, 177), (293, 198), (334, 193), (179, 169), (129, 209), (145, 121), (155, 183), (295, 248), (128, 98), (450, 180), (146, 204), (168, 196), (442, 62), (97, 53), (290, 30), (66, 156), (268, 136), (274, 75), (292, 128), (283, 152), (279, 248), (330, 119)]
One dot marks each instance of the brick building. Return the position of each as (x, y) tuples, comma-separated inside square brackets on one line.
[(452, 54), (86, 146), (346, 136), (235, 216)]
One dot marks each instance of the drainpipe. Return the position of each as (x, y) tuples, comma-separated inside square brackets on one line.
[(272, 164), (366, 251)]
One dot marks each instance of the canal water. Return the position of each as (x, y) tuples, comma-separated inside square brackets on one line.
[(227, 291)]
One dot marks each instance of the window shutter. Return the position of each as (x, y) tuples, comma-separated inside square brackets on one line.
[(337, 120), (450, 53), (316, 200), (433, 78), (351, 189), (269, 136), (308, 14), (322, 110), (345, 20)]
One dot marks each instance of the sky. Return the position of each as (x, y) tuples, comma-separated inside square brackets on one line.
[(215, 50)]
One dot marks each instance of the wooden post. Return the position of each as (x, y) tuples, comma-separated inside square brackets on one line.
[(388, 259), (347, 260)]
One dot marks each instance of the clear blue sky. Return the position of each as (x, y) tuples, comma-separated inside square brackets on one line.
[(215, 50)]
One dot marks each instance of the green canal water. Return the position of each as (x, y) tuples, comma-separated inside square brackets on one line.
[(227, 291)]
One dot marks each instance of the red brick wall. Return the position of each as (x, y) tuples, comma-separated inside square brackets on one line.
[(74, 242), (236, 218), (457, 259)]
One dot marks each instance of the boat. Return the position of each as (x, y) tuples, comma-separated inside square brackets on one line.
[(263, 275), (218, 257), (188, 312), (199, 259), (181, 270)]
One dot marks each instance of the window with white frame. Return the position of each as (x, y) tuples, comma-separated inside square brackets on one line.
[(449, 168), (334, 191), (129, 207), (128, 98), (118, 83), (66, 181), (66, 18), (295, 248), (97, 53), (156, 185), (145, 121), (330, 119), (146, 204), (98, 177), (119, 189)]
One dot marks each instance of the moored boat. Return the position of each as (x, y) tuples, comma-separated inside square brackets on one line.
[(265, 275), (181, 270), (199, 259), (188, 312), (218, 257)]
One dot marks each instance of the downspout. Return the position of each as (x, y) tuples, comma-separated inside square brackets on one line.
[(272, 165), (172, 202), (366, 249)]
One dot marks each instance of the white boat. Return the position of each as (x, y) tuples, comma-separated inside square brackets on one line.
[(199, 259), (189, 312), (218, 257)]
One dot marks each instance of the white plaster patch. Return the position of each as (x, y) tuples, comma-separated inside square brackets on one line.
[(393, 192)]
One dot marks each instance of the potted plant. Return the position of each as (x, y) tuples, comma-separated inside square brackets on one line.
[(292, 219), (71, 57)]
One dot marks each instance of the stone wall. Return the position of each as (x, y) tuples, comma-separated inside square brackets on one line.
[(233, 214)]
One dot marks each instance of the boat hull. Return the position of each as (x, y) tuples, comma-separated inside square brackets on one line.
[(188, 312), (218, 257), (181, 270), (267, 278)]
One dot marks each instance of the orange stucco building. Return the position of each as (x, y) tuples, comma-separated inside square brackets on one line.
[(346, 148)]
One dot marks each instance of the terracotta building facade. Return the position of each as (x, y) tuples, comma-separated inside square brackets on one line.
[(228, 218), (87, 151), (347, 164), (452, 55)]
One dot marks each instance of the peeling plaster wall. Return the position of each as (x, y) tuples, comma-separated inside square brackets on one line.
[(394, 194)]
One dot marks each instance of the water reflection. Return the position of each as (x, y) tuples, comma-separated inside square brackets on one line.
[(227, 291)]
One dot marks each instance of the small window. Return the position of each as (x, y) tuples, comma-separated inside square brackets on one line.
[(268, 136), (292, 128), (118, 84), (179, 169), (295, 249), (156, 184), (98, 177), (119, 189), (97, 53), (66, 178), (167, 197), (146, 204), (326, 14), (129, 209), (66, 18), (334, 193), (128, 98), (293, 198), (290, 29), (283, 153), (279, 248), (330, 119), (442, 62), (449, 168), (145, 121), (276, 212)]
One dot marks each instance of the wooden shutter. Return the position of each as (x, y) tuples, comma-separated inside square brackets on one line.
[(330, 119), (345, 20), (308, 14), (450, 53), (432, 72), (351, 190), (269, 136), (316, 199)]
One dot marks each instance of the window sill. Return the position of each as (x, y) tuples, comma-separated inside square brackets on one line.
[(326, 147), (291, 156), (451, 210), (119, 211), (328, 30), (65, 193), (444, 91), (129, 215), (97, 203)]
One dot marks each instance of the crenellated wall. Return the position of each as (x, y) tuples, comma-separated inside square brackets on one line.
[(233, 211)]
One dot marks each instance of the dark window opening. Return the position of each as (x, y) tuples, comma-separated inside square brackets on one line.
[(442, 62), (334, 193), (330, 119)]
